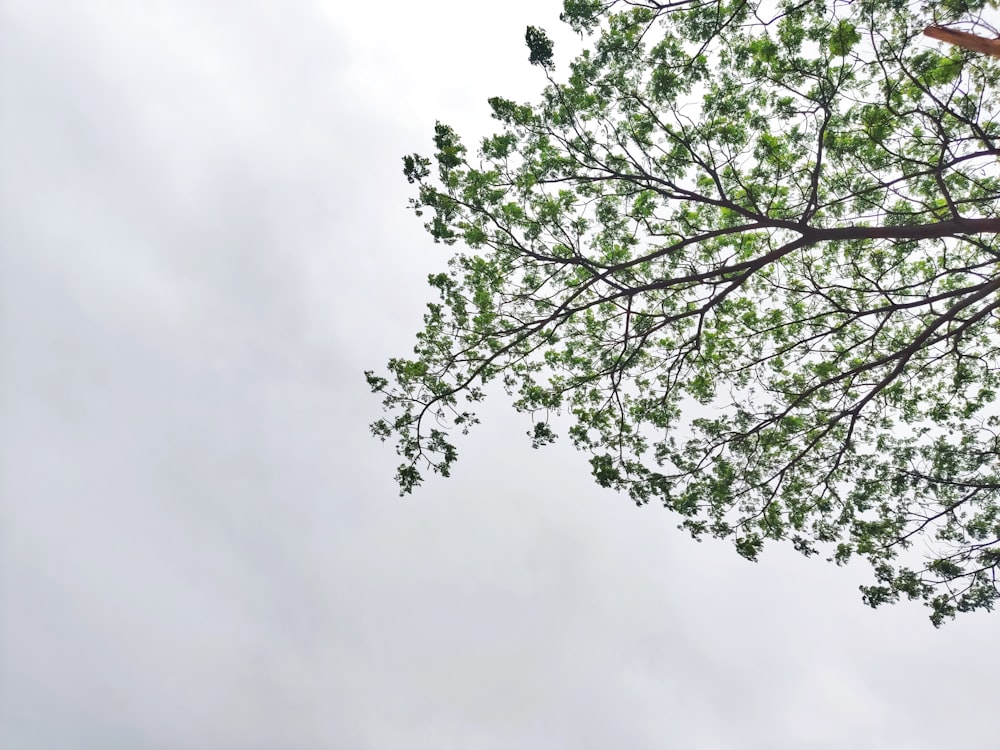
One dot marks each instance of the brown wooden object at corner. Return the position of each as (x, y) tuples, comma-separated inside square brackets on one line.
[(964, 39)]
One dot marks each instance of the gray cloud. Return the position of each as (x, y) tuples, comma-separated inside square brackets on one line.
[(203, 242)]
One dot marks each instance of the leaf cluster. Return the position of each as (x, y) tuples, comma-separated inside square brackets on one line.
[(744, 255)]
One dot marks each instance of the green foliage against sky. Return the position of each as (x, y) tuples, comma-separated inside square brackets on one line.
[(745, 255)]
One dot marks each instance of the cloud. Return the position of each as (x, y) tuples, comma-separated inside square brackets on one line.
[(204, 241)]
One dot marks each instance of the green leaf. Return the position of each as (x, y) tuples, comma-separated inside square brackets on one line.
[(540, 47), (843, 38)]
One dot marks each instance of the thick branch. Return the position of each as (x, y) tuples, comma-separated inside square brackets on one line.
[(965, 40), (939, 229)]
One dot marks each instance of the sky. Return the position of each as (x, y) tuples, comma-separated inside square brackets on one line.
[(204, 241)]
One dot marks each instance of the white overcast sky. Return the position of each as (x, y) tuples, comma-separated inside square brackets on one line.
[(203, 242)]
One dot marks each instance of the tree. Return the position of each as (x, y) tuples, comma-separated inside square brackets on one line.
[(746, 253)]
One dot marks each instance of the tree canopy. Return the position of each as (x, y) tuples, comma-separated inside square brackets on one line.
[(745, 254)]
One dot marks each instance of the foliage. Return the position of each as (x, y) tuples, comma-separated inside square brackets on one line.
[(748, 251)]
